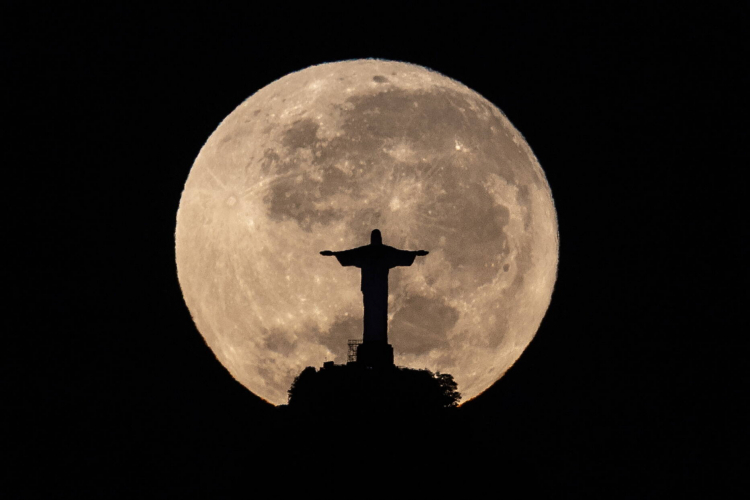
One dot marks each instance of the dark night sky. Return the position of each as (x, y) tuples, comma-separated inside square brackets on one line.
[(635, 380)]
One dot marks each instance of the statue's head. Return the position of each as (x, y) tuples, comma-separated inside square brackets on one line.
[(375, 237)]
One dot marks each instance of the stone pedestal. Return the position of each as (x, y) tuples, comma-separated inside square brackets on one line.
[(375, 354)]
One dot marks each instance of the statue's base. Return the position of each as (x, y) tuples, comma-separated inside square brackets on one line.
[(375, 354)]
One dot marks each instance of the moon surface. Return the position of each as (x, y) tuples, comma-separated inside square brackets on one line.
[(315, 161)]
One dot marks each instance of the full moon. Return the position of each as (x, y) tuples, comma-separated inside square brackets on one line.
[(317, 160)]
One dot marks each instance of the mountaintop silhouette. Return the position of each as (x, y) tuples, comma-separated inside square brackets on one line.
[(358, 388)]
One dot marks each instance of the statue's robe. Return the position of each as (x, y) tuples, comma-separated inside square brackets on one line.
[(375, 262)]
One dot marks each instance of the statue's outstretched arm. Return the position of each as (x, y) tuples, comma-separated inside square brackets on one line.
[(346, 257), (422, 253)]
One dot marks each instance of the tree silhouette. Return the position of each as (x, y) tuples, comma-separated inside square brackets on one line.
[(354, 387)]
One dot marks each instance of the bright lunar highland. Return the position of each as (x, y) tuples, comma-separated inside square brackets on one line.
[(317, 160)]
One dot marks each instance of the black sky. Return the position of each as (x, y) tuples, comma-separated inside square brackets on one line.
[(637, 114)]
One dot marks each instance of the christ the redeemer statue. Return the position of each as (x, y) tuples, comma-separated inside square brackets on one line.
[(375, 260)]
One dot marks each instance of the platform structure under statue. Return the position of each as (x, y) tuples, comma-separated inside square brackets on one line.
[(373, 354)]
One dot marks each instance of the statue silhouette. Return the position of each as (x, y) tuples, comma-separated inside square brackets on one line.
[(375, 260)]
